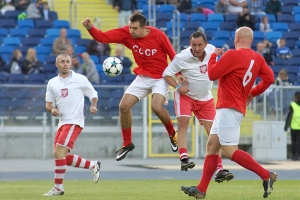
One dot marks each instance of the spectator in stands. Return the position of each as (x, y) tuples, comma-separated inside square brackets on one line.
[(61, 43), (45, 11), (260, 48), (2, 64), (283, 78), (221, 7), (255, 7), (292, 122), (185, 5), (246, 19), (125, 9), (15, 64), (21, 4), (70, 51), (7, 7), (33, 10), (90, 70), (77, 66), (97, 48), (236, 6), (273, 7), (264, 25), (31, 65), (125, 60), (205, 11), (282, 50)]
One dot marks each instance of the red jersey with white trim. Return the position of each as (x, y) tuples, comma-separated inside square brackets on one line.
[(150, 52), (237, 71)]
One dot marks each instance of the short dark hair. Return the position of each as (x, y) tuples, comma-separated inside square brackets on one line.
[(198, 34), (138, 17)]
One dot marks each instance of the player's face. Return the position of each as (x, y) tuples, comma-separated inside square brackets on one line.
[(197, 46), (63, 64), (135, 29)]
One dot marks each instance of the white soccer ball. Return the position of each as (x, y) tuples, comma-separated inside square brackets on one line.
[(112, 66)]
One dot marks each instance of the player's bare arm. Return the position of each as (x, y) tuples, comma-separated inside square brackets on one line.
[(87, 23), (49, 107)]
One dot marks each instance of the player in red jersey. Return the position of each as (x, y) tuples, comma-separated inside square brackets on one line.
[(236, 71), (150, 48)]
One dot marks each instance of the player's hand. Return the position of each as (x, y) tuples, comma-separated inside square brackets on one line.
[(218, 51), (181, 79), (249, 99), (93, 109), (54, 112), (183, 90), (117, 8), (87, 23)]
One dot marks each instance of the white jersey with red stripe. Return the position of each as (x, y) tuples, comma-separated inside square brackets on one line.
[(195, 71)]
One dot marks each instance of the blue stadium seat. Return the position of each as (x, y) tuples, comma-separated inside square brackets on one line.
[(290, 3), (272, 18), (286, 18), (280, 26), (45, 24), (114, 80), (3, 79), (27, 23), (53, 32), (292, 35), (191, 26), (49, 68), (208, 4), (61, 24), (50, 59), (185, 38), (210, 26), (41, 57), (296, 10), (16, 79), (30, 41), (295, 62), (95, 59), (215, 18), (102, 58), (294, 26), (3, 32), (230, 43), (170, 28), (276, 69), (12, 14), (7, 23), (128, 78), (79, 49), (279, 61), (50, 75), (162, 19), (47, 41), (221, 35), (297, 18), (254, 43), (36, 32), (287, 10), (258, 35), (228, 26), (295, 52), (273, 35), (183, 17), (6, 50), (53, 15), (47, 50), (36, 79), (167, 8), (24, 49), (197, 17), (217, 43), (231, 17), (18, 32), (11, 41), (73, 34), (290, 44), (82, 42)]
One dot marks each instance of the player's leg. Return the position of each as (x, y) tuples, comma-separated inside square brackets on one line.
[(229, 137), (160, 90), (135, 92)]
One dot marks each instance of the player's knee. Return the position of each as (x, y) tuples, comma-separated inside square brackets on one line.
[(123, 107), (156, 108)]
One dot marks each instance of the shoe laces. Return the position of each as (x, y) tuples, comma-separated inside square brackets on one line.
[(174, 138), (120, 149)]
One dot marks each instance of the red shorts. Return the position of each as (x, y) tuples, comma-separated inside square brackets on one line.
[(203, 110), (66, 135)]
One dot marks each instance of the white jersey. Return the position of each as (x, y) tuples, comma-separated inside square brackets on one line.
[(68, 94), (195, 71)]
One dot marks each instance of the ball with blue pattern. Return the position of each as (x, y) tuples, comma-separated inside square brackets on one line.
[(112, 66)]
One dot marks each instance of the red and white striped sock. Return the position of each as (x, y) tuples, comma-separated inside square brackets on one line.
[(183, 153), (77, 161), (60, 170)]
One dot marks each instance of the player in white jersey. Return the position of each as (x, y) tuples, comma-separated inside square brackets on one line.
[(67, 90), (193, 94)]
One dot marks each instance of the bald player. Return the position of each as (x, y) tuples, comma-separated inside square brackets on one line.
[(236, 71)]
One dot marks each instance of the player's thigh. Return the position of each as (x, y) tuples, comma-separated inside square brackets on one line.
[(140, 87), (213, 145), (228, 126), (183, 105), (67, 135)]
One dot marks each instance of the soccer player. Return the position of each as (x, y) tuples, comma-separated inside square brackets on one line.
[(67, 90), (150, 47), (236, 71), (193, 96)]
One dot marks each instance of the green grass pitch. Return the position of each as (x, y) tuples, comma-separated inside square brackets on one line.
[(147, 189)]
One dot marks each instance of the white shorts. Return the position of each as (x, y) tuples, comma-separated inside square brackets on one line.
[(144, 85), (227, 125)]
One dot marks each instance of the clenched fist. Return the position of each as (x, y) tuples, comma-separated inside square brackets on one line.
[(87, 23)]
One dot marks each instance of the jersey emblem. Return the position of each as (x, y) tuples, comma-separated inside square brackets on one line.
[(64, 92), (203, 69)]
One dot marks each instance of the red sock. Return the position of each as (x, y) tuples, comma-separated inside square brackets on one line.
[(170, 128), (77, 161), (210, 165), (220, 165), (183, 153), (60, 169), (127, 136), (246, 160)]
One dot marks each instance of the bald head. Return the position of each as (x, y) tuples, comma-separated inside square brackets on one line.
[(243, 37)]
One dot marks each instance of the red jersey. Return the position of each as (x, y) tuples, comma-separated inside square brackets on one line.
[(237, 71), (150, 52)]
